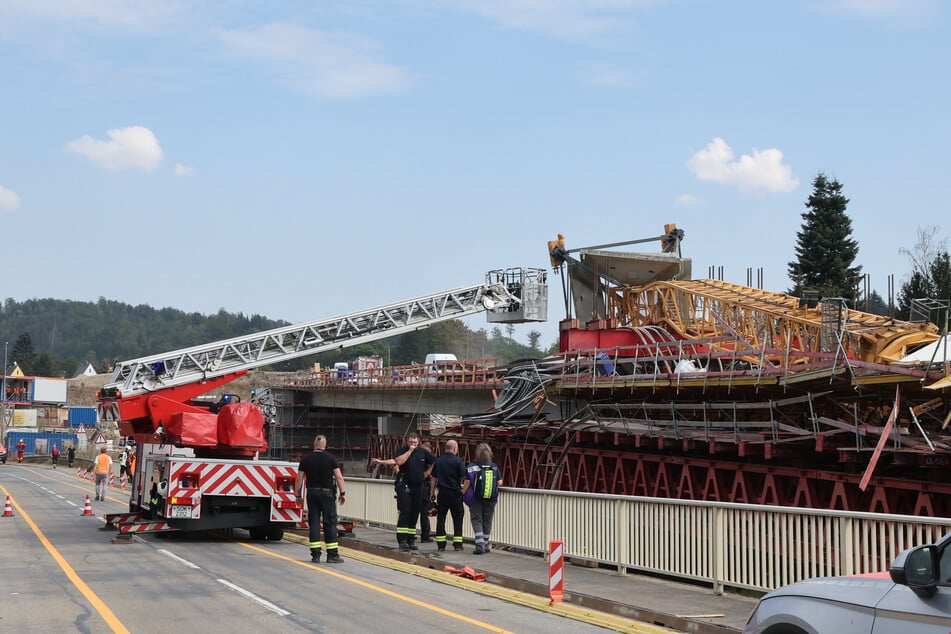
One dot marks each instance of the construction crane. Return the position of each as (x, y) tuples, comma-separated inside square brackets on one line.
[(197, 466)]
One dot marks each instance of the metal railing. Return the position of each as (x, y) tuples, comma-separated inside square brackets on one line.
[(740, 546), (476, 373)]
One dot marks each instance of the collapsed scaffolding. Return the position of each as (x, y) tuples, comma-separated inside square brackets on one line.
[(711, 390)]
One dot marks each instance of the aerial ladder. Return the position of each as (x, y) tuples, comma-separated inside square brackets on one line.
[(197, 464)]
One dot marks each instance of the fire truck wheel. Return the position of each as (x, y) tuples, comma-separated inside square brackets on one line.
[(269, 533), (257, 533)]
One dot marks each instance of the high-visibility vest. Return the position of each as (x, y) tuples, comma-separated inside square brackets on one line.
[(102, 463)]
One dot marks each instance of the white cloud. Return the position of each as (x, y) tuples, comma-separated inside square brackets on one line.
[(9, 199), (604, 76), (134, 147), (114, 14), (183, 170), (333, 65), (897, 12), (761, 170), (689, 200), (568, 19)]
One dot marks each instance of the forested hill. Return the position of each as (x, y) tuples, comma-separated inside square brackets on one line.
[(51, 337)]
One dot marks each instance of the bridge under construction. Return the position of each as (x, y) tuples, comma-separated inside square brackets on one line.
[(667, 386)]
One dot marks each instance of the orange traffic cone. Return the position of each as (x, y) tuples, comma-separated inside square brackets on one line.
[(87, 509), (8, 508)]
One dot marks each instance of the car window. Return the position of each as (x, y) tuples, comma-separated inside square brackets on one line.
[(944, 566)]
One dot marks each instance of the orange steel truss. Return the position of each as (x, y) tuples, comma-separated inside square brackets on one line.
[(740, 316)]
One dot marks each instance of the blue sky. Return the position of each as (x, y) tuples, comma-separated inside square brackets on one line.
[(302, 159)]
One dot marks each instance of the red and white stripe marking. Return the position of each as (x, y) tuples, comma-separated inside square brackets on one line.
[(556, 571)]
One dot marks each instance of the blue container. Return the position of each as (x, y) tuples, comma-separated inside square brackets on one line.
[(605, 368), (82, 416), (46, 442)]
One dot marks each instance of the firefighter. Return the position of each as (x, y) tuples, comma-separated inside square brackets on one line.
[(54, 455), (415, 464), (70, 455), (482, 495), (450, 481), (21, 447), (123, 462), (320, 473)]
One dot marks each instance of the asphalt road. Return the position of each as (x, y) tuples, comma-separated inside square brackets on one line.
[(58, 572)]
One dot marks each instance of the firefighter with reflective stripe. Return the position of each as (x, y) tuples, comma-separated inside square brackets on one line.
[(320, 475), (450, 481), (415, 464)]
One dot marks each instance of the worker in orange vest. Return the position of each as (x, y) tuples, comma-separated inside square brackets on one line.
[(103, 466), (21, 447)]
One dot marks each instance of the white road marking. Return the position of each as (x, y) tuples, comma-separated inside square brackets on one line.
[(250, 595), (184, 562)]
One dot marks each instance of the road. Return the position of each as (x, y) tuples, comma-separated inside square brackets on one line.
[(59, 572)]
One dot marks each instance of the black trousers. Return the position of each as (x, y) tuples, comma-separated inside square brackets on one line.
[(425, 528), (409, 502), (448, 501), (322, 509)]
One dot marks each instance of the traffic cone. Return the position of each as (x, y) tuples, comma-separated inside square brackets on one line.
[(87, 509), (8, 508)]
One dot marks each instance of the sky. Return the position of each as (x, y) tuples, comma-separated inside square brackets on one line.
[(301, 160)]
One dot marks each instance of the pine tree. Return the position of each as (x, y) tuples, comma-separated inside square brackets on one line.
[(932, 283), (825, 250), (23, 353)]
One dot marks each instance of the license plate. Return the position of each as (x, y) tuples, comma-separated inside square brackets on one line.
[(182, 511)]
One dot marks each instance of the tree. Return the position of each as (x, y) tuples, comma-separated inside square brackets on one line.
[(932, 283), (533, 338), (825, 250), (926, 249), (876, 304), (23, 353), (930, 271)]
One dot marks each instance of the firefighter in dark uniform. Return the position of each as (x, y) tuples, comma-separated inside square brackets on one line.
[(320, 472), (450, 481), (415, 464)]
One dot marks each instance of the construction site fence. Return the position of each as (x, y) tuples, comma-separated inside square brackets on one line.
[(478, 372), (727, 545)]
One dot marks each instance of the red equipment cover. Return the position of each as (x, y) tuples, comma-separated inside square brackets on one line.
[(193, 429), (241, 425)]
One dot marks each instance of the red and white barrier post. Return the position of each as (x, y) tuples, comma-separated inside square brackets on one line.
[(556, 571)]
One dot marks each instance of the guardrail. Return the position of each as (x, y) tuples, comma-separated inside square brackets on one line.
[(740, 546), (479, 373)]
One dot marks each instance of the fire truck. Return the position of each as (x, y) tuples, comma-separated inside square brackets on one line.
[(197, 464)]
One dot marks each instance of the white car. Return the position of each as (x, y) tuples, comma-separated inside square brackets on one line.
[(914, 597)]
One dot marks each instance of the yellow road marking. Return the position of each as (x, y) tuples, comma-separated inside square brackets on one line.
[(87, 592), (376, 588), (566, 610), (68, 483)]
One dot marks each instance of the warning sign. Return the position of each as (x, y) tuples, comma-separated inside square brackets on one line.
[(100, 439), (81, 429)]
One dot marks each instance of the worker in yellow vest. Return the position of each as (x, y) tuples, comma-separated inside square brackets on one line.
[(103, 466)]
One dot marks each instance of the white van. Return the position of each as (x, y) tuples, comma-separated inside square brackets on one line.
[(440, 363)]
